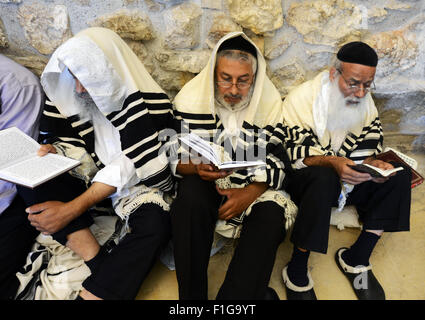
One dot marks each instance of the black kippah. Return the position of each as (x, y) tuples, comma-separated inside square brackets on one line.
[(238, 43), (359, 53)]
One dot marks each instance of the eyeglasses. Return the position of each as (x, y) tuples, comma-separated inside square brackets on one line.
[(355, 87), (227, 84)]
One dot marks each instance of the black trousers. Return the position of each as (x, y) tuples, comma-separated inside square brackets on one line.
[(194, 214), (124, 268), (16, 238), (315, 190), (62, 188)]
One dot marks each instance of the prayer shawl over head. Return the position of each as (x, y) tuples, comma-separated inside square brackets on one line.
[(261, 133), (126, 95), (305, 111)]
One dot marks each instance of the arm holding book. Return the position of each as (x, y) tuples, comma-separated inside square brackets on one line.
[(347, 174), (239, 199), (51, 216), (207, 172)]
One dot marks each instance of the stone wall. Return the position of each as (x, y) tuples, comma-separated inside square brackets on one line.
[(298, 38)]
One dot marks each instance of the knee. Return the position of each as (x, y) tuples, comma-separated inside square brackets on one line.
[(326, 179), (402, 178), (325, 175), (195, 195), (270, 216), (192, 187), (154, 222)]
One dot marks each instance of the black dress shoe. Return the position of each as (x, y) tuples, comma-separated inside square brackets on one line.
[(294, 292), (362, 279), (271, 294)]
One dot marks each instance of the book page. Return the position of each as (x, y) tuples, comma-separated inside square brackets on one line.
[(36, 170), (374, 171), (384, 173), (240, 164), (15, 145), (201, 146)]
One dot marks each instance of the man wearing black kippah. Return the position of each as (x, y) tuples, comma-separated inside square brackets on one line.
[(332, 123)]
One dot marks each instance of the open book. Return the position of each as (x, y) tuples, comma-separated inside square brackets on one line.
[(374, 171), (394, 155), (20, 164), (204, 149)]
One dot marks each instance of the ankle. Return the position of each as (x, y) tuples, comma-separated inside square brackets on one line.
[(87, 295)]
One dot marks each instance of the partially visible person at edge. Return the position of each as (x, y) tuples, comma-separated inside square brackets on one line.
[(21, 101)]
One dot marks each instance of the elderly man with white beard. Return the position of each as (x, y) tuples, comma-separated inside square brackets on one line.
[(332, 123)]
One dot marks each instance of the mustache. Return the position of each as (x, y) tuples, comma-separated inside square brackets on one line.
[(235, 96), (352, 100)]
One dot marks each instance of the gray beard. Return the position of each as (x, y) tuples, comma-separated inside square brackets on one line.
[(219, 99), (87, 105), (344, 116)]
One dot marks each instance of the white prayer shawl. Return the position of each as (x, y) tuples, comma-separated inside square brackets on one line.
[(261, 129), (305, 112), (53, 271), (128, 100)]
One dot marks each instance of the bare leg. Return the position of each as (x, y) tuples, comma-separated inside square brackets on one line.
[(87, 295), (377, 232), (83, 243)]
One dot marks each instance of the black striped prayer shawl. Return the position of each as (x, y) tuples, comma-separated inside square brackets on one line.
[(302, 139), (261, 134), (139, 135)]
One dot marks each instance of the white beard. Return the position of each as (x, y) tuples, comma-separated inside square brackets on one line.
[(86, 105), (343, 114)]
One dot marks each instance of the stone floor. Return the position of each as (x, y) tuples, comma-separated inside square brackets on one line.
[(398, 263)]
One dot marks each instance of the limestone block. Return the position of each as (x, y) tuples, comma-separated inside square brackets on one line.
[(212, 4), (83, 2), (3, 38), (128, 24), (10, 1), (259, 16), (188, 61), (221, 25), (34, 63), (318, 58), (277, 45), (288, 76), (171, 80), (376, 14), (411, 108), (394, 5), (182, 26), (142, 53), (328, 22), (45, 27), (397, 51), (153, 5)]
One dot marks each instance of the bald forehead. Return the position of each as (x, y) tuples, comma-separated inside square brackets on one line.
[(358, 72)]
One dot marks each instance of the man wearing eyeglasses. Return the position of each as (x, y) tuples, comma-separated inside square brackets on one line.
[(233, 104), (332, 123)]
